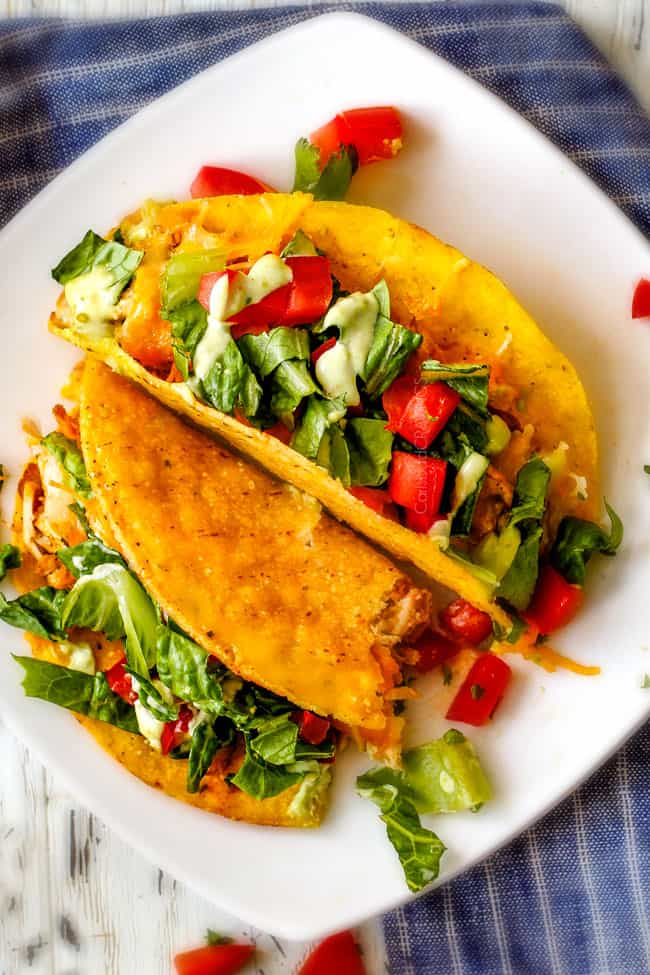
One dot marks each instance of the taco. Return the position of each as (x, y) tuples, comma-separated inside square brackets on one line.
[(360, 359), (154, 568)]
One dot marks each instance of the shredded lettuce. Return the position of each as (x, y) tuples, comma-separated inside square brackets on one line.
[(392, 346), (529, 503), (469, 381), (419, 849), (38, 612), (189, 322), (577, 540), (208, 737), (262, 780), (83, 693), (267, 351), (318, 417), (150, 697), (93, 252), (9, 559), (231, 382), (112, 601), (369, 445), (182, 275), (70, 460), (189, 671), (82, 559)]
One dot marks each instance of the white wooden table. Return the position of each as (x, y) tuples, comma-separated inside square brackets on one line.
[(74, 899)]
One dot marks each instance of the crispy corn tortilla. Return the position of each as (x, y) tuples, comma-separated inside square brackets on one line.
[(253, 570), (462, 310), (132, 751)]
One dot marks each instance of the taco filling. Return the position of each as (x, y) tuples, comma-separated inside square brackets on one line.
[(360, 359)]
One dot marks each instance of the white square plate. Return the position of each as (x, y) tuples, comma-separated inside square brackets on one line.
[(474, 173)]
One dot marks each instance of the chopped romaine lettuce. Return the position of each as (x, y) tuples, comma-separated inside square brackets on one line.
[(392, 346), (469, 381), (151, 698), (334, 455), (445, 775), (189, 671), (419, 849), (182, 275), (230, 382), (9, 559), (291, 383), (518, 584), (112, 601), (267, 351), (529, 503), (578, 539), (38, 612), (208, 737), (189, 323), (82, 559), (369, 444), (72, 689), (261, 780), (299, 246), (94, 251), (70, 460), (318, 417)]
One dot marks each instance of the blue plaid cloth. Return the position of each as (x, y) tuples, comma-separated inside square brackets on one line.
[(571, 896)]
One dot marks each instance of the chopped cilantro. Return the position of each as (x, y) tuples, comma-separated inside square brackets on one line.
[(646, 468), (477, 691), (214, 938)]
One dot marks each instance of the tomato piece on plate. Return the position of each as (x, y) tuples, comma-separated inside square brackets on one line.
[(262, 315), (434, 650), (465, 623), (376, 133), (555, 601), (120, 682), (426, 413), (376, 499), (217, 181), (481, 691), (336, 955), (417, 482), (310, 291), (641, 299), (313, 728), (213, 960)]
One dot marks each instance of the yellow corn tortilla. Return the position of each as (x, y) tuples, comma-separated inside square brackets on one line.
[(160, 771), (461, 309), (254, 571)]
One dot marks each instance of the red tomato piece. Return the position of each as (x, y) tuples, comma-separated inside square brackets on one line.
[(310, 291), (120, 682), (279, 431), (317, 353), (213, 960), (313, 728), (420, 521), (336, 955), (555, 601), (434, 650), (264, 314), (481, 691), (376, 133), (396, 398), (174, 731), (426, 413), (376, 499), (465, 623), (641, 299), (330, 137), (217, 181), (417, 482), (207, 283)]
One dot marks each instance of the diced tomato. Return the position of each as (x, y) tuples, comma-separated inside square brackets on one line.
[(641, 299), (376, 133), (555, 601), (174, 731), (376, 499), (426, 413), (420, 521), (311, 290), (279, 431), (434, 650), (207, 283), (217, 181), (337, 955), (481, 691), (317, 353), (213, 960), (465, 623), (396, 398), (120, 682), (417, 482), (262, 315), (313, 728)]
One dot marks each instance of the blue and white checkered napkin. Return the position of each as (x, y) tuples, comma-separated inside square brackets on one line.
[(571, 896)]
